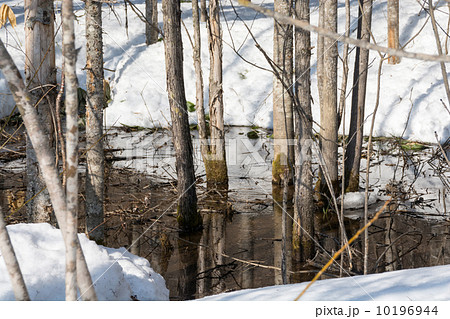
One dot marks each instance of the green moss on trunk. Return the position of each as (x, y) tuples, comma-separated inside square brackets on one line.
[(279, 166), (216, 173)]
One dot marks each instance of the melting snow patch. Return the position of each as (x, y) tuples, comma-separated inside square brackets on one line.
[(116, 273)]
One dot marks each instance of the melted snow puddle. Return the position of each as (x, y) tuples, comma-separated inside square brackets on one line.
[(241, 243)]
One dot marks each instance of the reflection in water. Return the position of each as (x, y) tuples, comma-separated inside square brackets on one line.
[(245, 250), (188, 247), (246, 238)]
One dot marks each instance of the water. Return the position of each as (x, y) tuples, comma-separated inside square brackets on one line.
[(241, 244)]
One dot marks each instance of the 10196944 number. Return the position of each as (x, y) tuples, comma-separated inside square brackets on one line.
[(406, 310)]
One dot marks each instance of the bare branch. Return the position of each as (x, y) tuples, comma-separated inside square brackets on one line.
[(342, 38)]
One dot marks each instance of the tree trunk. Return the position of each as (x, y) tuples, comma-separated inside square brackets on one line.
[(12, 265), (203, 12), (46, 161), (354, 148), (439, 49), (283, 123), (320, 52), (393, 28), (188, 217), (345, 54), (40, 75), (151, 14), (328, 103), (215, 165), (199, 100), (94, 121), (71, 104), (303, 227)]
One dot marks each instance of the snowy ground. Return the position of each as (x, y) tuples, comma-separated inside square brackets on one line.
[(410, 106), (117, 274), (411, 91), (431, 283)]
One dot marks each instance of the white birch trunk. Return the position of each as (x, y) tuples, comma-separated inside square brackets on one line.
[(283, 121), (12, 265), (71, 104), (46, 162), (216, 166), (40, 70), (94, 122)]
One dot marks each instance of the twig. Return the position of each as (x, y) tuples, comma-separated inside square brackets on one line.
[(339, 37), (343, 248), (366, 191)]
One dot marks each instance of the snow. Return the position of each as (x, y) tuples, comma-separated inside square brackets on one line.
[(410, 104), (117, 274), (354, 200), (431, 284)]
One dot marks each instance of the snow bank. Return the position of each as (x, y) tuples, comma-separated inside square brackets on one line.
[(116, 273), (430, 284)]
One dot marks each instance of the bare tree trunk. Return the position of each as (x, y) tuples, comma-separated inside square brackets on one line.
[(393, 28), (354, 148), (46, 162), (71, 104), (328, 103), (345, 54), (303, 227), (439, 48), (215, 165), (203, 12), (283, 122), (12, 265), (199, 98), (188, 217), (151, 14), (320, 52), (40, 75), (94, 121)]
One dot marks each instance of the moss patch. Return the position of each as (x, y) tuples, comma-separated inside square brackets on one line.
[(278, 170), (216, 172)]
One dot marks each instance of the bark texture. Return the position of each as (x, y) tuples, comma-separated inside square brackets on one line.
[(12, 265), (40, 75), (354, 148), (303, 227), (393, 28), (328, 102), (71, 103), (203, 11), (94, 121), (215, 165), (46, 162), (199, 97), (151, 14), (188, 217), (283, 122)]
